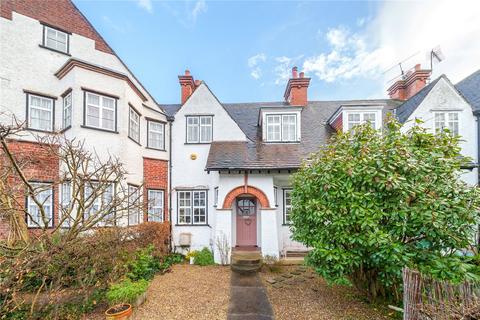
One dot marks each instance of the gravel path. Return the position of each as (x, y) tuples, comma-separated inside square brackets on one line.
[(188, 292), (312, 299)]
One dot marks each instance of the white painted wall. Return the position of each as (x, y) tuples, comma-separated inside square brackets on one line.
[(26, 66), (444, 97)]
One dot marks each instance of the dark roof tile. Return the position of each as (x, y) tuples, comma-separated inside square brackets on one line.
[(470, 89)]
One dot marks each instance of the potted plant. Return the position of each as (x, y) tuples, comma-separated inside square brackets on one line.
[(191, 256), (122, 295)]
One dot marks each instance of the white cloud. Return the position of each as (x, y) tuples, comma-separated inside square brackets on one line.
[(199, 8), (146, 5), (397, 31), (283, 69), (253, 63)]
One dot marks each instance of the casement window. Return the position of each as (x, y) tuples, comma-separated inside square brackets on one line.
[(281, 127), (447, 120), (40, 112), (156, 135), (199, 129), (134, 125), (192, 207), (155, 205), (65, 204), (67, 111), (215, 196), (55, 39), (100, 111), (275, 195), (100, 203), (287, 205), (134, 209), (357, 118), (44, 195)]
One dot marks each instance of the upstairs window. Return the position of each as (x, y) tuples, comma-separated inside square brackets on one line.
[(199, 129), (55, 39), (67, 111), (100, 111), (44, 196), (134, 125), (281, 127), (40, 112), (447, 120), (357, 118), (156, 135)]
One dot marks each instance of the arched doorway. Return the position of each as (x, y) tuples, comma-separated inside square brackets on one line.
[(245, 202)]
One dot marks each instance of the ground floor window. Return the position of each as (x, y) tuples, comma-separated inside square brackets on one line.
[(287, 205), (134, 209), (192, 207), (44, 196), (155, 205), (98, 199), (65, 203)]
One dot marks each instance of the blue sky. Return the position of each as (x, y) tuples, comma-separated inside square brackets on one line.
[(244, 49)]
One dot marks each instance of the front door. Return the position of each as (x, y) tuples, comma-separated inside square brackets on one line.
[(246, 222)]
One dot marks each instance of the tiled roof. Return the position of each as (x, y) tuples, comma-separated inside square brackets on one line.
[(470, 89), (171, 109), (255, 154), (406, 109)]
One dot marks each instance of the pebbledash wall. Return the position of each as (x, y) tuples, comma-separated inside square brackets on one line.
[(90, 64)]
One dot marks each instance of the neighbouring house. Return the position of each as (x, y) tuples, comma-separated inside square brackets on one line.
[(226, 167), (57, 73)]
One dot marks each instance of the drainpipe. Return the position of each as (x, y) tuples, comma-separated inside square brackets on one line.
[(170, 145)]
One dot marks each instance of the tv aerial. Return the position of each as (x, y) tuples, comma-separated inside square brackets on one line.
[(435, 55)]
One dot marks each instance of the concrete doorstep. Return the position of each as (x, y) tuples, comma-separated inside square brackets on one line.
[(248, 298)]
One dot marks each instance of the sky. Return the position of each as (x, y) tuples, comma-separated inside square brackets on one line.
[(244, 50)]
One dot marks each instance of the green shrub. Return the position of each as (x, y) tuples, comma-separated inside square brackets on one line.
[(144, 265), (204, 257), (126, 291)]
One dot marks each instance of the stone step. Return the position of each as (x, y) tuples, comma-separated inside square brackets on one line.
[(246, 261)]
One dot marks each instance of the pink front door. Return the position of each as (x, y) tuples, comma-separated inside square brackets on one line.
[(246, 222)]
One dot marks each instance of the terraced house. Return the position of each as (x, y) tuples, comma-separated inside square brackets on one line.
[(227, 171)]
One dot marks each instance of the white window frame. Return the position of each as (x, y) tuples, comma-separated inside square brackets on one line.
[(51, 110), (161, 133), (275, 130), (363, 114), (196, 127), (57, 32), (155, 211), (65, 203), (287, 208), (134, 214), (105, 199), (447, 122), (190, 208), (67, 109), (134, 125), (215, 196), (30, 204), (101, 110)]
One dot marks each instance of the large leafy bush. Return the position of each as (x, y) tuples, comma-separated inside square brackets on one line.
[(370, 203), (126, 291)]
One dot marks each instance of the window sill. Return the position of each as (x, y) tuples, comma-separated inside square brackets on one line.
[(134, 141), (54, 50), (155, 149), (198, 143), (281, 142), (39, 130), (192, 225), (99, 129), (65, 129), (286, 224)]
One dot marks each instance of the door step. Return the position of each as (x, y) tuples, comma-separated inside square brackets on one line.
[(246, 261)]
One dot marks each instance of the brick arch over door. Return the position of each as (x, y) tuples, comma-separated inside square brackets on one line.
[(259, 194)]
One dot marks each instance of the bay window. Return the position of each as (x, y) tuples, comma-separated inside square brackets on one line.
[(43, 193), (134, 209), (99, 197), (156, 135), (134, 125), (67, 111), (100, 111)]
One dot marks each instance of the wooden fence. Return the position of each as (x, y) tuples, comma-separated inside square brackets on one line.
[(427, 299)]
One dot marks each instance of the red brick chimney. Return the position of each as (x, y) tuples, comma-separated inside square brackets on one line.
[(410, 84), (187, 85), (297, 89)]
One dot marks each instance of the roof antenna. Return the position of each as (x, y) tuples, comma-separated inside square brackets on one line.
[(437, 55), (399, 64)]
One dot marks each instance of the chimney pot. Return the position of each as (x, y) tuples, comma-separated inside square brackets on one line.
[(187, 85), (294, 72), (197, 83), (302, 74), (410, 84), (187, 72)]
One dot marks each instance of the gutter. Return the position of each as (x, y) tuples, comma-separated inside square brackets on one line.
[(170, 121)]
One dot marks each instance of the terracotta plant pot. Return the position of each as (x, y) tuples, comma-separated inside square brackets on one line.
[(119, 312)]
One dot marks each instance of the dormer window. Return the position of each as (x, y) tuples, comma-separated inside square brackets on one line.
[(348, 116), (281, 127), (356, 118)]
